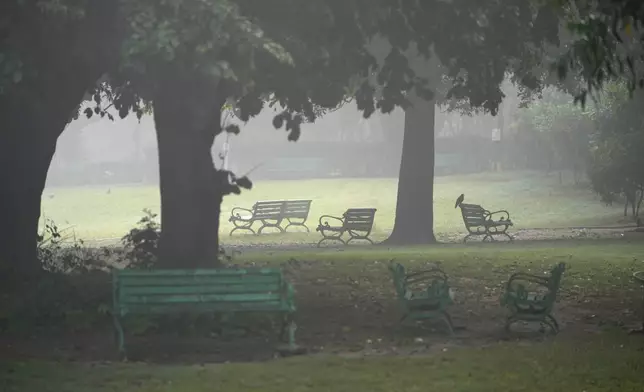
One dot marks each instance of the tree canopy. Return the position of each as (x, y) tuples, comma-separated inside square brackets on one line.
[(189, 57), (606, 43)]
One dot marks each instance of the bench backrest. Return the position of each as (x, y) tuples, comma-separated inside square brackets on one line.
[(554, 282), (437, 289), (270, 209), (398, 274), (162, 291), (473, 215), (359, 219), (546, 299), (297, 208)]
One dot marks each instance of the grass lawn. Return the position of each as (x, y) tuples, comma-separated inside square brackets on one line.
[(604, 363), (593, 265), (534, 200)]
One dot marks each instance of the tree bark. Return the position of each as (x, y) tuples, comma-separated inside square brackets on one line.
[(414, 222), (187, 119), (67, 61), (25, 156)]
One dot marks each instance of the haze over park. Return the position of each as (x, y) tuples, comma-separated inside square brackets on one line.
[(320, 195)]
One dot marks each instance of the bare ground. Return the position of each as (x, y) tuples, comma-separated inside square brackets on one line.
[(344, 315)]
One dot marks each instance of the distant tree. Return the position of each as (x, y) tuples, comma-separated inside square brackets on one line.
[(473, 45), (616, 154), (563, 127), (606, 45)]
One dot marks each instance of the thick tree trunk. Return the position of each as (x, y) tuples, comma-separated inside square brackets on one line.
[(25, 156), (34, 113), (27, 145), (414, 223), (191, 195)]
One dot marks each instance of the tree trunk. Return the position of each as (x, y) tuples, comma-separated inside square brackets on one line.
[(191, 193), (414, 222), (67, 61), (27, 145), (25, 155)]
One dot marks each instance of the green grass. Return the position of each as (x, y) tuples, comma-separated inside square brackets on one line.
[(534, 200), (607, 362), (592, 266)]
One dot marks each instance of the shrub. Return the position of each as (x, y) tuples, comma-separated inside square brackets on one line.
[(141, 244)]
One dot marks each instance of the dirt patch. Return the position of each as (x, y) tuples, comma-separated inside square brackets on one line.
[(345, 314)]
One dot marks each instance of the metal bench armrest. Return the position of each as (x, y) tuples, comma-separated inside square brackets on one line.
[(234, 214), (324, 221), (489, 214)]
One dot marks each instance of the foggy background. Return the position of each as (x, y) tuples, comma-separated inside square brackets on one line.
[(341, 144)]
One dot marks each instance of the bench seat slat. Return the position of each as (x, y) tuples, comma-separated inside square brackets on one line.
[(200, 272), (201, 289), (199, 298), (166, 281), (359, 227), (205, 308)]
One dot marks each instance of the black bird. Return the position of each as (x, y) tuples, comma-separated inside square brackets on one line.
[(459, 200)]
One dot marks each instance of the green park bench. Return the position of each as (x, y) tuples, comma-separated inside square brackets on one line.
[(209, 291), (428, 302), (481, 222), (271, 214), (357, 222), (531, 298)]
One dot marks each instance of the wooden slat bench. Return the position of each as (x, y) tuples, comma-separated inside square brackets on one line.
[(357, 222), (481, 222), (271, 214), (223, 291), (533, 304), (422, 303)]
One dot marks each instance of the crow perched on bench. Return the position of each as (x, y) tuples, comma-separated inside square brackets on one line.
[(460, 199)]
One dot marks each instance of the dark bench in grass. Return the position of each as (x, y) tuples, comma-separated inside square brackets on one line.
[(532, 297), (210, 291), (357, 222), (422, 295), (271, 214), (481, 222)]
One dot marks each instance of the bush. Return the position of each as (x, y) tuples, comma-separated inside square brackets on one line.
[(141, 244), (73, 290), (60, 251)]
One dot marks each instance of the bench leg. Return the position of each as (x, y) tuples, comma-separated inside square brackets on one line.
[(467, 237), (241, 228), (265, 226), (120, 337), (359, 238), (448, 321), (552, 323), (287, 332), (509, 237), (509, 321), (300, 224), (331, 239)]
